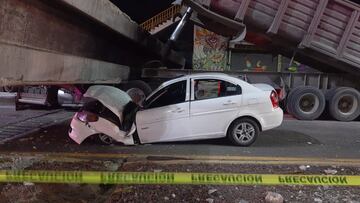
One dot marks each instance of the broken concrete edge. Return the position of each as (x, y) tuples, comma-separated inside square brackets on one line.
[(109, 15), (35, 130), (66, 69), (7, 100)]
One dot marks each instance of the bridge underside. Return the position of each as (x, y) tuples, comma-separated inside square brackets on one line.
[(72, 42)]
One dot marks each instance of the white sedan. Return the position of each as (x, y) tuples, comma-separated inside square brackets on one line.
[(192, 107)]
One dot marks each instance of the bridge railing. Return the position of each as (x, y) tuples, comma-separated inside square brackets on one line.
[(161, 17)]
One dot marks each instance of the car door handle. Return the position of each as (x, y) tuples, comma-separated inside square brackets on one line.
[(229, 103), (178, 110)]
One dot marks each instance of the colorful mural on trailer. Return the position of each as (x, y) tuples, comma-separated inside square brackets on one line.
[(210, 50), (253, 62), (266, 62)]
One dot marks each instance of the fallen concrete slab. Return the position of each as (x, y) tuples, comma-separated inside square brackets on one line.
[(7, 100)]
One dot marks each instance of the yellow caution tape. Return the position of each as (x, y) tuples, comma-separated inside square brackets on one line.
[(93, 177)]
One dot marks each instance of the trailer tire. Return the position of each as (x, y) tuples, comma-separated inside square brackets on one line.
[(137, 87), (344, 103), (307, 103), (289, 98)]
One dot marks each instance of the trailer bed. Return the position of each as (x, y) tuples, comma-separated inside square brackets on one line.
[(327, 31)]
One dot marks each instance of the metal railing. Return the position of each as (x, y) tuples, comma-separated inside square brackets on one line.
[(161, 17)]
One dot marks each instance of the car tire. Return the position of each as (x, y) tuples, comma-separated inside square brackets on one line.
[(105, 139), (137, 87), (289, 98), (344, 103), (238, 137), (307, 103)]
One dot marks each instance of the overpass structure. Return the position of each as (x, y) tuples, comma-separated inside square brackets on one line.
[(72, 42)]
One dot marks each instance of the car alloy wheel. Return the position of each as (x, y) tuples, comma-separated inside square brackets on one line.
[(106, 139), (243, 132)]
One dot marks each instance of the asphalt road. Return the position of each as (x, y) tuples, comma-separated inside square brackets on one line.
[(306, 139)]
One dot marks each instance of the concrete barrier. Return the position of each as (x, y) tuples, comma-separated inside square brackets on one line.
[(7, 100)]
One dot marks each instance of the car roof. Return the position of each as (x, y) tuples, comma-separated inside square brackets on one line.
[(206, 74)]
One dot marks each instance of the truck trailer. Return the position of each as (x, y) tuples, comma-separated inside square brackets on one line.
[(324, 34)]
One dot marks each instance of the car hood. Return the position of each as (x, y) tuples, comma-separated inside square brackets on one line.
[(112, 98)]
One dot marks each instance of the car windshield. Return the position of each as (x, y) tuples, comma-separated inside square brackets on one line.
[(208, 101)]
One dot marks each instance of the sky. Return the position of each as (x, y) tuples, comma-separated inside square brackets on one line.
[(142, 10)]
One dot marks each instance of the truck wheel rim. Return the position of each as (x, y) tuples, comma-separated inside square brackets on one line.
[(136, 92), (347, 104), (309, 103), (244, 132)]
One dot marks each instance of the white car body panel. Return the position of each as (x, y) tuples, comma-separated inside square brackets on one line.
[(80, 131), (210, 118), (189, 120), (168, 123), (205, 114)]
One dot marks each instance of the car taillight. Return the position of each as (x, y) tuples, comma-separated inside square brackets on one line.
[(86, 116), (274, 99)]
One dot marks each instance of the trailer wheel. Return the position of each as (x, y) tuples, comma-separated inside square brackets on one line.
[(344, 103), (307, 103), (289, 99), (138, 90)]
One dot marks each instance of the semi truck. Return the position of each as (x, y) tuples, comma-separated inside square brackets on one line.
[(324, 34)]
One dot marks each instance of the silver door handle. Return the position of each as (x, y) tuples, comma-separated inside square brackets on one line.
[(229, 103), (178, 110)]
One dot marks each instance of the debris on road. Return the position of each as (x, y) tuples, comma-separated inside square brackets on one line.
[(330, 171), (209, 200), (211, 191), (318, 200), (303, 167), (273, 197), (28, 184), (111, 166)]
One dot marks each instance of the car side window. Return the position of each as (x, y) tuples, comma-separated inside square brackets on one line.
[(172, 94), (212, 88)]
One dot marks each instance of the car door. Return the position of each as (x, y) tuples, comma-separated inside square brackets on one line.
[(166, 114), (214, 105)]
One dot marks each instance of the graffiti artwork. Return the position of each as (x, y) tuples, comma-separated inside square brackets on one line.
[(209, 50)]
